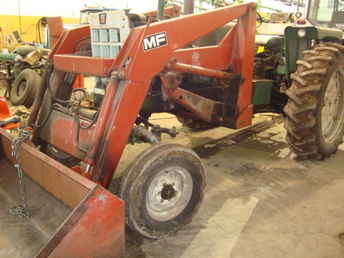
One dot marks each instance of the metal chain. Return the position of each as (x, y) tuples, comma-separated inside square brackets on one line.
[(22, 209)]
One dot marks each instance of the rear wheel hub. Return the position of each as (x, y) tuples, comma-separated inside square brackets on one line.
[(332, 109)]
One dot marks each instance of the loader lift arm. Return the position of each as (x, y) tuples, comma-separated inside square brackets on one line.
[(133, 69)]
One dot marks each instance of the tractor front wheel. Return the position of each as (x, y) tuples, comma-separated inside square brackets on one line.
[(162, 189), (315, 109)]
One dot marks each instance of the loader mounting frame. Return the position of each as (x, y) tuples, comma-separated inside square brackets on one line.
[(131, 74)]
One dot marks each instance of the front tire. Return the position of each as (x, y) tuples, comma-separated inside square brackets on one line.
[(163, 189), (315, 109)]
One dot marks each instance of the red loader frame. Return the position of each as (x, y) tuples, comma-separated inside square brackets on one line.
[(131, 73)]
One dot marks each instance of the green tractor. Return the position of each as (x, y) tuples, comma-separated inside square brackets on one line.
[(301, 62)]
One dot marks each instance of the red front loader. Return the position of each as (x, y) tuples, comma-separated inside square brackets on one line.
[(159, 68)]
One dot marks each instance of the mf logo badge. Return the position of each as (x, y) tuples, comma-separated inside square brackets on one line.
[(155, 41)]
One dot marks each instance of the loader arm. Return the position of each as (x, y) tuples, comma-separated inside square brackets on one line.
[(148, 51), (180, 32)]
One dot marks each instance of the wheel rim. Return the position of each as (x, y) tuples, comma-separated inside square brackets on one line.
[(332, 109), (169, 193)]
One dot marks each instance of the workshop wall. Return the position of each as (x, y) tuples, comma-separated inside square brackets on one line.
[(23, 15)]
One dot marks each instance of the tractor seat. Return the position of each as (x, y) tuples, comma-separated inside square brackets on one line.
[(88, 113), (273, 43), (265, 39)]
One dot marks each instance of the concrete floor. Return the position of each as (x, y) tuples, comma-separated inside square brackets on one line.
[(260, 203)]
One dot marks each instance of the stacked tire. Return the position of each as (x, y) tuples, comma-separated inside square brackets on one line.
[(25, 88)]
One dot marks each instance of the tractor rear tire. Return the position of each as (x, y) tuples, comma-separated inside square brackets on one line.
[(315, 109), (25, 88), (162, 189)]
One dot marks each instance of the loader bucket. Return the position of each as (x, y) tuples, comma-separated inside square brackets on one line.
[(71, 216)]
